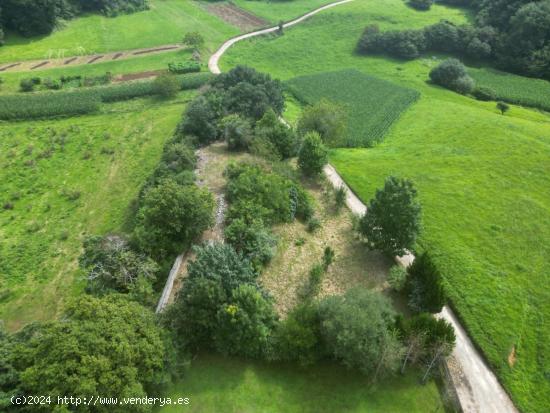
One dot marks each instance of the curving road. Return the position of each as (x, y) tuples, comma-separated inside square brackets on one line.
[(476, 385)]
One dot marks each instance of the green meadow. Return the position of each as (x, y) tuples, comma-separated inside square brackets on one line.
[(61, 179), (164, 23), (216, 384), (483, 180)]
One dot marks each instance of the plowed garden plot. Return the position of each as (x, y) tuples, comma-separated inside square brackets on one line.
[(372, 104), (236, 16)]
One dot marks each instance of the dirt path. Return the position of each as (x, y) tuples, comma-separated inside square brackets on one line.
[(53, 62), (477, 387)]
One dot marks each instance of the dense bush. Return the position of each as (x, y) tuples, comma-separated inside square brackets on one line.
[(452, 74), (110, 346), (166, 86), (271, 197), (397, 277), (313, 155), (328, 119), (222, 264), (357, 329), (171, 216), (421, 4), (236, 132), (201, 118), (245, 323), (425, 286), (252, 239), (282, 138), (184, 67), (484, 93), (392, 223), (111, 265)]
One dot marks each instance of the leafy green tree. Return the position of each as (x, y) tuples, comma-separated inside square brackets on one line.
[(245, 324), (201, 117), (166, 86), (111, 265), (357, 329), (425, 285), (236, 131), (107, 346), (392, 223), (503, 107), (313, 155), (421, 4), (247, 100), (193, 40), (328, 119), (221, 263), (30, 17), (9, 376), (298, 336), (270, 128), (171, 217), (192, 317)]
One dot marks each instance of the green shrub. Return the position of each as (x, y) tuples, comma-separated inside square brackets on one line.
[(313, 224), (421, 4), (270, 128), (26, 85), (184, 67), (251, 239), (236, 131), (166, 86), (452, 74), (328, 257), (340, 195), (313, 155), (484, 93), (425, 286), (397, 277)]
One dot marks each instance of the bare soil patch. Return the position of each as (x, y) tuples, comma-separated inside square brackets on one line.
[(236, 16)]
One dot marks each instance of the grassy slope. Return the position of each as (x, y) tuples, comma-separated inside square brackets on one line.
[(483, 180), (37, 265), (275, 11), (216, 384), (164, 23)]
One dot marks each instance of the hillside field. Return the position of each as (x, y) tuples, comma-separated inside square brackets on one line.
[(62, 179), (482, 179), (164, 23), (372, 104)]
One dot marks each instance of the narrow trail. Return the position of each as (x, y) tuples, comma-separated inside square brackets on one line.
[(478, 389)]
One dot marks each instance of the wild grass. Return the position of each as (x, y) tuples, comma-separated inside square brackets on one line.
[(483, 180), (64, 179), (165, 23), (372, 105), (218, 384), (275, 11)]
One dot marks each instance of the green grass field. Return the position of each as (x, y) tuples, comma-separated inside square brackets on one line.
[(275, 11), (216, 384), (165, 23), (514, 89), (483, 180), (371, 104), (66, 178)]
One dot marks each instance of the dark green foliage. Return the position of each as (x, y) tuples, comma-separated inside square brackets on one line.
[(265, 89), (108, 346), (26, 85), (357, 329), (328, 257), (111, 265), (171, 216), (392, 222), (503, 107), (251, 239), (452, 74), (298, 336), (166, 86), (9, 376), (313, 155), (484, 93), (328, 119), (221, 263), (256, 194), (435, 330), (236, 131), (283, 138), (247, 100), (184, 67), (313, 224), (340, 195), (397, 277), (193, 40), (201, 117), (425, 286), (421, 4), (192, 317), (245, 323)]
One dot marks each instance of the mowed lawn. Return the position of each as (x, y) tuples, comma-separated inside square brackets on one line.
[(165, 23), (62, 179), (216, 384), (483, 181)]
